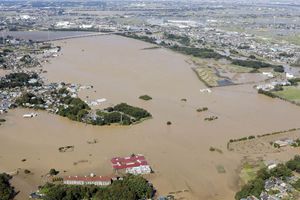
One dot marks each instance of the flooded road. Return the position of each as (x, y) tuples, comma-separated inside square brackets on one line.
[(120, 71)]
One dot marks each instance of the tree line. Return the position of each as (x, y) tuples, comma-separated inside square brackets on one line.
[(130, 188), (256, 64)]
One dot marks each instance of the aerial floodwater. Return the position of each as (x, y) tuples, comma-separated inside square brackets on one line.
[(120, 70)]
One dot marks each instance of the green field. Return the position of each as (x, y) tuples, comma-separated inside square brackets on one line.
[(290, 93), (248, 171)]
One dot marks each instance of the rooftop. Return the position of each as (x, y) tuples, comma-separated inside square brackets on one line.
[(87, 178), (128, 162)]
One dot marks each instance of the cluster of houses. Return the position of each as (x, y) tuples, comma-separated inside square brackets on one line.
[(275, 184), (17, 60), (134, 164), (18, 54), (275, 189), (272, 85), (284, 142), (5, 101), (205, 32), (48, 92), (271, 75), (225, 41)]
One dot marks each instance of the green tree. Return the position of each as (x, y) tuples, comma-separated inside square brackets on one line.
[(130, 188), (253, 187), (7, 192), (53, 172), (281, 171), (294, 164)]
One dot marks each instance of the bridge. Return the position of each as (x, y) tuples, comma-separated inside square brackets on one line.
[(86, 35)]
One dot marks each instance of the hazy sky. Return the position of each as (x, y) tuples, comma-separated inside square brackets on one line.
[(212, 1)]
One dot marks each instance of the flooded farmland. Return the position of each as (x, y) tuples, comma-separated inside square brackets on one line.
[(120, 71)]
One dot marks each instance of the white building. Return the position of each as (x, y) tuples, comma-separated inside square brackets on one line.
[(288, 75), (268, 74), (143, 169), (88, 180)]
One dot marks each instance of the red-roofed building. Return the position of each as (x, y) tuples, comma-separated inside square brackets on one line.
[(135, 164), (88, 180)]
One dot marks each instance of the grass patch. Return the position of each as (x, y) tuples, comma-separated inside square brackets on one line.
[(220, 169), (249, 171), (289, 93), (207, 75)]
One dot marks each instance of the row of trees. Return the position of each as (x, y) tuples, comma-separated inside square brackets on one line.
[(185, 40), (139, 37), (263, 135), (267, 93), (256, 64), (198, 52), (242, 139), (130, 188)]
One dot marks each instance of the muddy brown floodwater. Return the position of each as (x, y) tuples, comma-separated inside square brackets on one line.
[(121, 71)]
